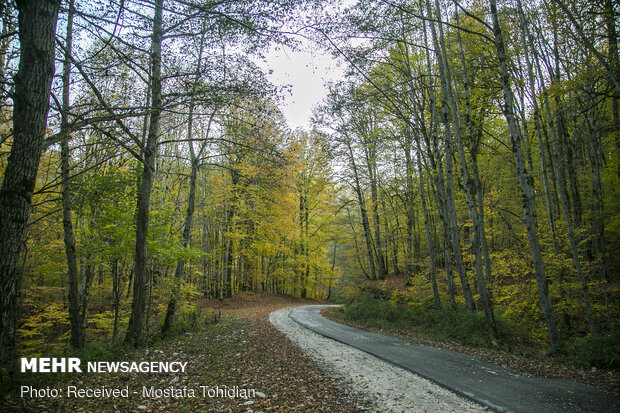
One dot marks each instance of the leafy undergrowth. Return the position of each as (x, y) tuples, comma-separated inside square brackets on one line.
[(243, 350), (466, 333)]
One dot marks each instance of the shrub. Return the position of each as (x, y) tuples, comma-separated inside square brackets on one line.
[(104, 350), (602, 351), (419, 313)]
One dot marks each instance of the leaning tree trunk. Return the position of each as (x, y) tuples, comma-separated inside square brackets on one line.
[(37, 28), (135, 330), (525, 183), (538, 130)]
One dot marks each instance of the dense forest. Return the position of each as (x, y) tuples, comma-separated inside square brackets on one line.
[(472, 147)]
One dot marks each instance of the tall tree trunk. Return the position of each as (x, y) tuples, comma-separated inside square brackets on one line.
[(363, 212), (537, 127), (191, 197), (116, 293), (437, 176), (371, 161), (69, 239), (469, 183), (456, 242), (409, 198), (37, 28), (427, 229), (135, 330), (525, 182), (564, 199)]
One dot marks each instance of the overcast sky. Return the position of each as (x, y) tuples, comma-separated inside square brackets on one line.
[(305, 71)]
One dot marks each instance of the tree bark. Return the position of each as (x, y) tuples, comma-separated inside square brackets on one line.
[(363, 212), (427, 229), (371, 163), (69, 239), (525, 182), (450, 111), (135, 330), (37, 28), (537, 127)]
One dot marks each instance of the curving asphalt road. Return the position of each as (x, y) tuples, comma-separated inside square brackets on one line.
[(489, 384)]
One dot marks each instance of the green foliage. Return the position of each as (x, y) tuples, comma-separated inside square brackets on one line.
[(192, 319), (103, 350), (419, 315), (42, 331), (602, 351)]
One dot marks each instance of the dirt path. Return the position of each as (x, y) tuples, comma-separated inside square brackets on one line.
[(290, 379)]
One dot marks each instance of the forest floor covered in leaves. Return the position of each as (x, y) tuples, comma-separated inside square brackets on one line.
[(243, 349)]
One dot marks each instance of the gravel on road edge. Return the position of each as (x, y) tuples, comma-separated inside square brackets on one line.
[(391, 388)]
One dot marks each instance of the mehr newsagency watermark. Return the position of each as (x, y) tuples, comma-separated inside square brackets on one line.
[(74, 365)]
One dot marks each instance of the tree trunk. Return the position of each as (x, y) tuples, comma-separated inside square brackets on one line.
[(116, 293), (135, 330), (537, 127), (191, 197), (89, 273), (452, 221), (371, 161), (69, 239), (37, 27), (185, 237), (525, 183), (427, 229), (469, 183), (440, 190), (409, 198), (363, 213)]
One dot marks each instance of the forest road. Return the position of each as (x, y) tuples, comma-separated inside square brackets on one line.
[(489, 384)]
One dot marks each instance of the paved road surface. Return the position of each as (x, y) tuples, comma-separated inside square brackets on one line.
[(489, 384)]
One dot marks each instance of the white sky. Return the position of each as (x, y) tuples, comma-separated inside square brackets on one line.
[(306, 71)]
